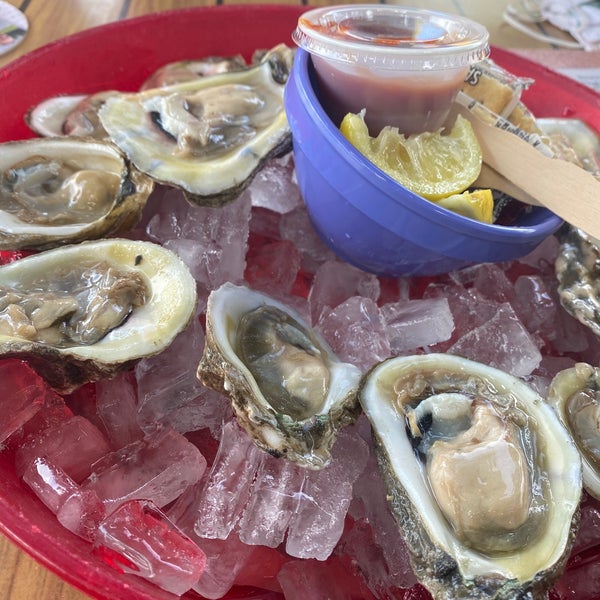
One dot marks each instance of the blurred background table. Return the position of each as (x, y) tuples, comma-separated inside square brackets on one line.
[(53, 19), (21, 578)]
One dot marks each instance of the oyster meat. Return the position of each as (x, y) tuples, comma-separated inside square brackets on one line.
[(483, 479), (87, 311), (209, 136), (55, 191), (288, 389), (575, 396), (577, 269)]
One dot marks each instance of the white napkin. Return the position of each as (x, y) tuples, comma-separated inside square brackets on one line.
[(581, 18)]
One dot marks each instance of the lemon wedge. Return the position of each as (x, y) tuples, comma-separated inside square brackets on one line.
[(431, 164), (478, 204)]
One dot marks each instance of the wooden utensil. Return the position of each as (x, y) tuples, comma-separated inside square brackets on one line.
[(566, 189), (489, 178)]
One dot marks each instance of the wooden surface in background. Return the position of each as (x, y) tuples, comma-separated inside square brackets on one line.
[(52, 19), (21, 578)]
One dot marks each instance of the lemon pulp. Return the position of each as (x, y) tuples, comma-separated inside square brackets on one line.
[(478, 204), (431, 164)]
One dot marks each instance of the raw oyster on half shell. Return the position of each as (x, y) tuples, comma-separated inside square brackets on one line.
[(483, 479), (288, 389), (74, 115), (55, 191), (209, 136), (84, 312), (189, 70), (577, 269), (575, 396)]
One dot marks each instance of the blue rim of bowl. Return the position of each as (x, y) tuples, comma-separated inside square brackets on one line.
[(509, 233)]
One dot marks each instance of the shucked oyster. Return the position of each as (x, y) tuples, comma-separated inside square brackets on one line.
[(210, 136), (86, 311), (55, 191), (575, 396), (483, 479), (578, 272), (188, 70), (74, 115), (288, 390)]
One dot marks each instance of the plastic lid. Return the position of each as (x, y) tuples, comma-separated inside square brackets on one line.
[(391, 37)]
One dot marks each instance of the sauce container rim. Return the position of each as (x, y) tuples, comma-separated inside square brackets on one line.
[(469, 41)]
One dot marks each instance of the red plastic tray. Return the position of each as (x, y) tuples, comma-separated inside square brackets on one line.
[(121, 56)]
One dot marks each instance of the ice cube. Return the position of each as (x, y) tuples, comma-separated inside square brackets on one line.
[(274, 268), (297, 227), (78, 510), (158, 468), (413, 324), (73, 445), (169, 392), (116, 404), (275, 187), (370, 505), (335, 282), (264, 223), (535, 306), (356, 331), (49, 482), (24, 393), (322, 503), (166, 212), (211, 241), (272, 502), (224, 560), (152, 546), (227, 487), (468, 306), (81, 513), (503, 342), (358, 546)]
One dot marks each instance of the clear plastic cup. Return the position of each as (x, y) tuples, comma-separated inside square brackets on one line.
[(403, 65)]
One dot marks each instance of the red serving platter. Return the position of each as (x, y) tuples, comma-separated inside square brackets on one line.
[(121, 56)]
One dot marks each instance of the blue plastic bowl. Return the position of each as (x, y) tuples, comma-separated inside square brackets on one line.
[(370, 220)]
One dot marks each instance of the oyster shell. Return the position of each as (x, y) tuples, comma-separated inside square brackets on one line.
[(575, 396), (87, 311), (188, 70), (483, 480), (288, 390), (74, 115), (210, 136), (577, 269), (55, 191)]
